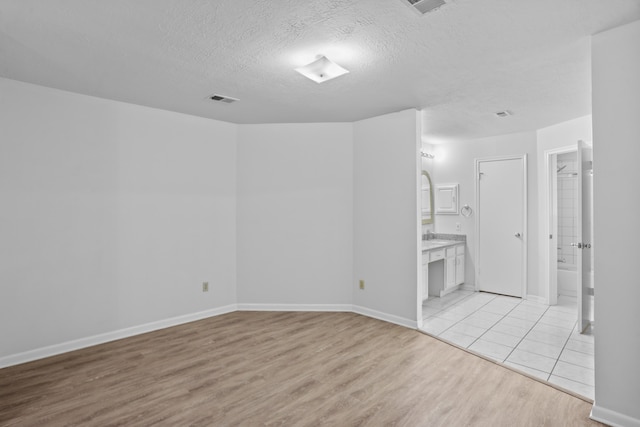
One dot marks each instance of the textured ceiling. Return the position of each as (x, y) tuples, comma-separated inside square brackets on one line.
[(458, 64)]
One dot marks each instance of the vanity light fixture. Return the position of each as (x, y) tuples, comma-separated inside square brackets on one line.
[(427, 155), (321, 70)]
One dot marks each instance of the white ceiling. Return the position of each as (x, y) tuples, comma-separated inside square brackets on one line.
[(459, 64)]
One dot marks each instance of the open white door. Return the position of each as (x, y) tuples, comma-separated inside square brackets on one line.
[(553, 228), (584, 246)]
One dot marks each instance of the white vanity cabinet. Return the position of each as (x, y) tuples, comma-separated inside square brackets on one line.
[(454, 266), (450, 268), (446, 275), (459, 264)]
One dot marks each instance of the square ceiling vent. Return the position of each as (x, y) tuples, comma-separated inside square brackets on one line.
[(424, 6)]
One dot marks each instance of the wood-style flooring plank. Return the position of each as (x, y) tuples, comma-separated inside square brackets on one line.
[(279, 369)]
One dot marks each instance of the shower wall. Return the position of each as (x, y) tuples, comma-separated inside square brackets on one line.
[(567, 205)]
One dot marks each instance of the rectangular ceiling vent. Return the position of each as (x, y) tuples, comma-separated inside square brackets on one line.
[(424, 6), (222, 98)]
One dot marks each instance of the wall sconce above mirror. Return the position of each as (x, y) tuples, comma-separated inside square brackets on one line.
[(426, 197)]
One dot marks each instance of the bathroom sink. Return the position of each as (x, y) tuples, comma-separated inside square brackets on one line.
[(430, 244)]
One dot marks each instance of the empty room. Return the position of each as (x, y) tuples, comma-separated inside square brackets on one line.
[(370, 212)]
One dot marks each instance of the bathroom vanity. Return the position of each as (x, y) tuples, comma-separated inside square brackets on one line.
[(442, 266)]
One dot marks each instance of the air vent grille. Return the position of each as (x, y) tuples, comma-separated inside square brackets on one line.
[(505, 113), (223, 98), (424, 6)]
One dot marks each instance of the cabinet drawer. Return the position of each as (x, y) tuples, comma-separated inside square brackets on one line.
[(460, 250), (436, 255), (451, 252)]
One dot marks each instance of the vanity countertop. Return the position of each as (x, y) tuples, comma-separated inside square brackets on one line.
[(428, 245)]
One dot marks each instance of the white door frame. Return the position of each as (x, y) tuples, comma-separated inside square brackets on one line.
[(525, 231), (548, 272)]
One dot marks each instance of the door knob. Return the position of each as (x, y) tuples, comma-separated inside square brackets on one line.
[(517, 234), (577, 245)]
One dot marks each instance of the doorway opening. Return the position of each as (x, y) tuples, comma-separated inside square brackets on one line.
[(565, 200), (569, 229), (526, 334)]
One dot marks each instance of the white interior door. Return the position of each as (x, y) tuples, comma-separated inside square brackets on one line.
[(585, 231), (501, 191)]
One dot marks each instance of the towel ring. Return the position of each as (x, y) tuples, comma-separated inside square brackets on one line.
[(466, 211)]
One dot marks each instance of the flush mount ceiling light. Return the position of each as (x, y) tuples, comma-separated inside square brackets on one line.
[(425, 6), (321, 70)]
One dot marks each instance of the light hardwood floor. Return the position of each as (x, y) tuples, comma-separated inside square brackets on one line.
[(291, 369)]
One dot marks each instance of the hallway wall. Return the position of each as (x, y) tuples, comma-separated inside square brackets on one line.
[(616, 130)]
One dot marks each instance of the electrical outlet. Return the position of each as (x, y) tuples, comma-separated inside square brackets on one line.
[(361, 284), (205, 286), (458, 226)]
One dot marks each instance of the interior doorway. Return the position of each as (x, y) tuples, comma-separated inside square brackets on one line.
[(569, 249)]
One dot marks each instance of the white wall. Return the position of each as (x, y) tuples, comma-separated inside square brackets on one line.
[(455, 164), (112, 215), (557, 136), (563, 134), (295, 214), (386, 218), (616, 132)]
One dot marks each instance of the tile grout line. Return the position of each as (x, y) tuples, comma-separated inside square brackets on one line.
[(521, 339), (476, 310), (490, 327), (447, 307), (513, 348), (558, 359), (455, 303)]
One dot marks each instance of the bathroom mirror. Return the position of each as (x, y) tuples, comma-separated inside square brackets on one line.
[(427, 198)]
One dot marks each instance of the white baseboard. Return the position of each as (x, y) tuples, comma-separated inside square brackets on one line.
[(407, 323), (536, 298), (466, 287), (295, 307), (612, 418), (568, 292), (52, 350)]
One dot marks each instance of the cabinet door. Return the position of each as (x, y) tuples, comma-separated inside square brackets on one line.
[(446, 199), (450, 272), (459, 269)]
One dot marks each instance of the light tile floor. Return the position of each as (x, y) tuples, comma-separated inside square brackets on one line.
[(535, 338)]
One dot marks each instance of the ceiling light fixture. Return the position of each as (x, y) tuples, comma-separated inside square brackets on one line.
[(505, 113), (425, 6), (321, 70)]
